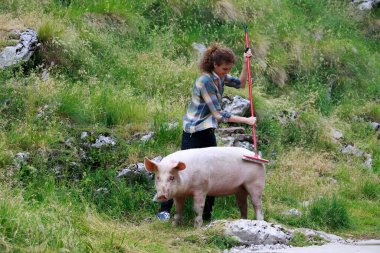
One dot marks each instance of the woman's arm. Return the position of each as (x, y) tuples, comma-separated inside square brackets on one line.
[(244, 72), (208, 94), (246, 120)]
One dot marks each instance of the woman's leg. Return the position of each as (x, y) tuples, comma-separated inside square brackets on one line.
[(166, 206), (202, 139)]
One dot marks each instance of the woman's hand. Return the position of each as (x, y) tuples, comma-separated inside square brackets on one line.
[(244, 72), (251, 121), (247, 55)]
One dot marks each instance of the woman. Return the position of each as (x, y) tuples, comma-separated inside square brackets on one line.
[(204, 111)]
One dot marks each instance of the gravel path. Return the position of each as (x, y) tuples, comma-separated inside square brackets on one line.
[(370, 246)]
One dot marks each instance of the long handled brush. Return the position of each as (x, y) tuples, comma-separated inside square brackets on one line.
[(256, 158)]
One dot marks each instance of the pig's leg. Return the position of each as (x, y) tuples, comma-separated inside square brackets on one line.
[(241, 200), (255, 190), (179, 203), (199, 203)]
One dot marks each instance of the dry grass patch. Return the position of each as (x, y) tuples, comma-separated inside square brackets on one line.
[(227, 11), (301, 175), (8, 23)]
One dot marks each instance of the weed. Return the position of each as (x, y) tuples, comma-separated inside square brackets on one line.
[(299, 240), (222, 241)]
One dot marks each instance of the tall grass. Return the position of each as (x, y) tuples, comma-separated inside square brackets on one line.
[(105, 106), (124, 67)]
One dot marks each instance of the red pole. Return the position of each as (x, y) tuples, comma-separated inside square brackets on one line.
[(250, 91)]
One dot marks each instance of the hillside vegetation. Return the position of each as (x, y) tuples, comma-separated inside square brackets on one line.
[(123, 67)]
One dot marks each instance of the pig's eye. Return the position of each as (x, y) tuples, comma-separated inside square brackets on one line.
[(158, 178), (171, 178)]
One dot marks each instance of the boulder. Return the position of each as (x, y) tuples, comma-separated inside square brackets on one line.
[(22, 51), (237, 106), (257, 232)]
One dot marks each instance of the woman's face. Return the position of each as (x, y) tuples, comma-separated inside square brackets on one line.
[(223, 69)]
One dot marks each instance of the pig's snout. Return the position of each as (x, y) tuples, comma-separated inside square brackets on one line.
[(162, 198), (163, 194)]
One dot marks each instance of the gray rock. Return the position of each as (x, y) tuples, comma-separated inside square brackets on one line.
[(331, 180), (244, 141), (287, 116), (368, 161), (20, 159), (352, 150), (103, 190), (125, 173), (261, 236), (104, 141), (137, 170), (22, 51), (230, 130), (368, 5), (45, 75), (84, 135), (147, 137), (171, 126), (244, 144), (244, 137), (365, 4), (292, 211), (237, 106), (349, 149), (337, 135), (156, 159), (376, 126), (310, 234), (256, 232), (227, 141)]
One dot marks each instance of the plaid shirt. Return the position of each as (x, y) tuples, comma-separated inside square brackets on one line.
[(205, 108)]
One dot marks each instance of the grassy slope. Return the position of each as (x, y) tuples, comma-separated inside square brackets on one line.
[(122, 68)]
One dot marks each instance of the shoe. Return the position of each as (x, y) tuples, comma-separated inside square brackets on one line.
[(163, 216)]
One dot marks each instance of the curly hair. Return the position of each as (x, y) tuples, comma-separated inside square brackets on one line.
[(215, 54)]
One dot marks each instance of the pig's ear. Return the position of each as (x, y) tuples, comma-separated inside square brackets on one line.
[(150, 165), (180, 166)]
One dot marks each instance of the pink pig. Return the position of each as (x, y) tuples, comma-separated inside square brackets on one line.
[(214, 171)]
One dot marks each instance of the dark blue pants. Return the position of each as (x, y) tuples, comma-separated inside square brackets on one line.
[(201, 139)]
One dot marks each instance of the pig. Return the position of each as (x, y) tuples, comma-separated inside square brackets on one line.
[(213, 171)]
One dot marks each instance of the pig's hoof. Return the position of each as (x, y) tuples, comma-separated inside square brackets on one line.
[(260, 217), (198, 223), (177, 219)]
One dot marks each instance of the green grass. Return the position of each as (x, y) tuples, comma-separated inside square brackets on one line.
[(121, 68)]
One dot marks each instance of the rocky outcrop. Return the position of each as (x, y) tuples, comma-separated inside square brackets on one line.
[(366, 4), (22, 51), (236, 106), (257, 232), (262, 236), (350, 149)]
